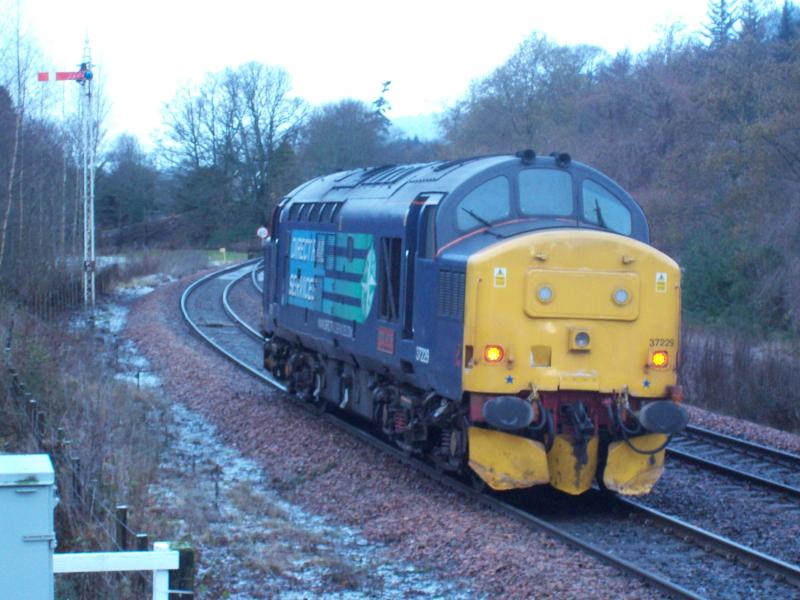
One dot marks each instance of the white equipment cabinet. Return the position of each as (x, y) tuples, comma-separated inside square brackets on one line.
[(27, 537)]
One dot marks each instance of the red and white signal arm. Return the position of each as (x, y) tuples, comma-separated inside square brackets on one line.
[(262, 232)]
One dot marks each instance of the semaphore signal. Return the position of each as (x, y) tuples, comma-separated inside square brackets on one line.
[(84, 76)]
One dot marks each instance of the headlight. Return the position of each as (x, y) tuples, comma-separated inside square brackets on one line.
[(621, 296), (582, 339), (544, 294)]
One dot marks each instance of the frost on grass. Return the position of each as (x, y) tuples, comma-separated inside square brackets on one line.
[(252, 544), (108, 319)]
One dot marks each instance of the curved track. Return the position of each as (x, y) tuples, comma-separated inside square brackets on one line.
[(627, 534)]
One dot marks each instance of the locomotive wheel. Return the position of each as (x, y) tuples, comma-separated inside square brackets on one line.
[(301, 378), (457, 451), (450, 454)]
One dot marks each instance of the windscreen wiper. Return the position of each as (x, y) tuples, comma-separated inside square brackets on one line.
[(600, 220), (480, 219)]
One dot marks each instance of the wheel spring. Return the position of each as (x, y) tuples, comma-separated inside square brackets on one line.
[(445, 441)]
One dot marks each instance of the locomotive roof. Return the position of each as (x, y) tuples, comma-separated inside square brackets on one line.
[(386, 193), (384, 183)]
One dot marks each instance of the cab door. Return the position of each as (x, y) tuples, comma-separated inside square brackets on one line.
[(419, 274)]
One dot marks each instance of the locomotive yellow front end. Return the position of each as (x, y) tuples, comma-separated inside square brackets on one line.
[(570, 357)]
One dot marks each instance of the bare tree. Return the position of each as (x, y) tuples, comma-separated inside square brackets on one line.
[(341, 135), (232, 135)]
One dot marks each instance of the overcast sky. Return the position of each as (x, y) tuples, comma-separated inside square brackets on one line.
[(146, 49)]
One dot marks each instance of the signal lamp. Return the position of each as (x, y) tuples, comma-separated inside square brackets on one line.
[(659, 359), (493, 353)]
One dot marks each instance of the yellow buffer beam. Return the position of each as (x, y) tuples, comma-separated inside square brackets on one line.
[(633, 473), (505, 461)]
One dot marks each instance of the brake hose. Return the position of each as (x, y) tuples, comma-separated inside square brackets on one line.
[(625, 432)]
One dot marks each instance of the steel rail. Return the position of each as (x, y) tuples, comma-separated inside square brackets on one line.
[(720, 544), (256, 268), (741, 447), (196, 328), (713, 465), (706, 539), (773, 454), (226, 305)]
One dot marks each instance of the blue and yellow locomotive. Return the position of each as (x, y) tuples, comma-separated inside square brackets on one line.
[(504, 316)]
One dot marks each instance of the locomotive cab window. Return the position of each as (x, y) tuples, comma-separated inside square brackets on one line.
[(488, 203), (604, 209), (545, 192)]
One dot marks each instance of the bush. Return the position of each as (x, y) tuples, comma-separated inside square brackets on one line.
[(114, 430), (743, 376)]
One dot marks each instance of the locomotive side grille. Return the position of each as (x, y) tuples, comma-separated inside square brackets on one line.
[(450, 295)]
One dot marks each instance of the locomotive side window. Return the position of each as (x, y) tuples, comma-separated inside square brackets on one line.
[(490, 202), (428, 249), (545, 192), (602, 208), (325, 215), (316, 208), (335, 212), (294, 212)]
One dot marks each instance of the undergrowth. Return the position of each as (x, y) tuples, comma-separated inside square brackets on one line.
[(104, 435), (743, 376)]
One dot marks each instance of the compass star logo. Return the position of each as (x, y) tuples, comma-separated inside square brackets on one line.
[(368, 282)]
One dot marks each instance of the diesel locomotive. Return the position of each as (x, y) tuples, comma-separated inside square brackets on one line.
[(504, 316)]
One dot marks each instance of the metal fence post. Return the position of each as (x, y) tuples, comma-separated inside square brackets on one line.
[(181, 581), (122, 526), (142, 542)]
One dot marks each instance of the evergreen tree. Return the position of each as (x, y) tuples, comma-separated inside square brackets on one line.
[(752, 22), (722, 18), (788, 30)]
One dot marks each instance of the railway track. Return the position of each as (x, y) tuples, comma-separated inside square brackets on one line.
[(769, 467), (627, 534)]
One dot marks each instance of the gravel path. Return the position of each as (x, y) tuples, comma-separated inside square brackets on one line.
[(314, 465)]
